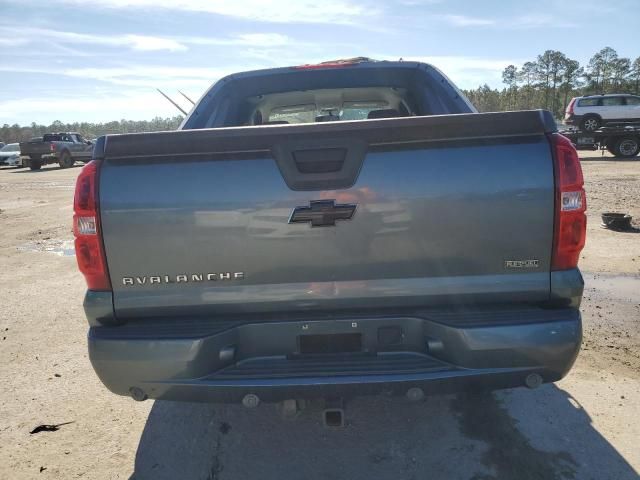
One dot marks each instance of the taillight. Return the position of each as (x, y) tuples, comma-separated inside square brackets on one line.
[(570, 227), (331, 64), (52, 147), (570, 106), (86, 228)]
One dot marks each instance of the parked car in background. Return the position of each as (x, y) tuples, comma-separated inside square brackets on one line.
[(62, 148), (591, 112), (10, 155)]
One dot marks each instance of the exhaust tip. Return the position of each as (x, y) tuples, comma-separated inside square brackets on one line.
[(533, 380)]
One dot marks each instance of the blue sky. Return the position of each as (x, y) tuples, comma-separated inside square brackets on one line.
[(101, 60)]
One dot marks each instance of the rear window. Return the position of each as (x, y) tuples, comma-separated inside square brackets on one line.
[(57, 137), (12, 147), (328, 105), (361, 110), (293, 95), (588, 102), (293, 114), (311, 113)]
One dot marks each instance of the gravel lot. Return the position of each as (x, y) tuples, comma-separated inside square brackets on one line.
[(585, 427)]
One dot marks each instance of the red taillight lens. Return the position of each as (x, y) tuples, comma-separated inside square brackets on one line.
[(570, 228), (570, 106), (331, 64), (86, 228), (52, 147)]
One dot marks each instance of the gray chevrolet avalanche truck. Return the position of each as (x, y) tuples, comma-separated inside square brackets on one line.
[(331, 230)]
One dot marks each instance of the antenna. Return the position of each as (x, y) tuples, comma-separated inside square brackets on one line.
[(172, 102), (192, 102)]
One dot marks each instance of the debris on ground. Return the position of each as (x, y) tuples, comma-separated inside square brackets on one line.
[(48, 428)]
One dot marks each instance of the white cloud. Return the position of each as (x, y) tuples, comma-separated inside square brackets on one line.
[(152, 76), (12, 42), (418, 3), (13, 36), (540, 20), (467, 71), (535, 20), (465, 21), (263, 39), (24, 35), (136, 75), (103, 107), (255, 40), (146, 43), (277, 11)]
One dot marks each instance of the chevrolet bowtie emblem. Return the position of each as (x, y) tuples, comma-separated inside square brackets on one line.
[(322, 213)]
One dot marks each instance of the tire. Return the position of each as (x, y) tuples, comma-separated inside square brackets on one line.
[(590, 123), (35, 165), (627, 147), (66, 160)]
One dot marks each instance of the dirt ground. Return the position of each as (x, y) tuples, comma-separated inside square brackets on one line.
[(586, 426)]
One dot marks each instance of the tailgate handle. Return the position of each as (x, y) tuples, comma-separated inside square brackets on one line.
[(326, 164), (324, 160)]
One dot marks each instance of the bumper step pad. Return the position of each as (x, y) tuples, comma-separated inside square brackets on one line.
[(332, 365)]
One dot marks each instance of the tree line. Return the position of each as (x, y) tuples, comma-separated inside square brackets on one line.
[(552, 79), (547, 82), (16, 133)]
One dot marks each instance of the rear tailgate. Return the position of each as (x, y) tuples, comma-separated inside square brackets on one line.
[(35, 149), (451, 208)]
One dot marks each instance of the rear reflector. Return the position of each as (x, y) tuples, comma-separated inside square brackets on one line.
[(86, 228), (570, 227), (570, 201)]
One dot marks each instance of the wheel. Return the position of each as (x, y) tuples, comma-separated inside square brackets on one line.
[(627, 147), (590, 123), (35, 165), (66, 160)]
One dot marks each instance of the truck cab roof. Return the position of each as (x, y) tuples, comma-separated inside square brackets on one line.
[(324, 89)]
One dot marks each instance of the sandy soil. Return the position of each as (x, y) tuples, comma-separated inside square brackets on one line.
[(584, 427), (612, 186)]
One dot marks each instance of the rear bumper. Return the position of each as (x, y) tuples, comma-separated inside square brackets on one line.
[(43, 159), (180, 359)]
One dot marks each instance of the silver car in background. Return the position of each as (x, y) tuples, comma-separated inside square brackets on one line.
[(10, 155)]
